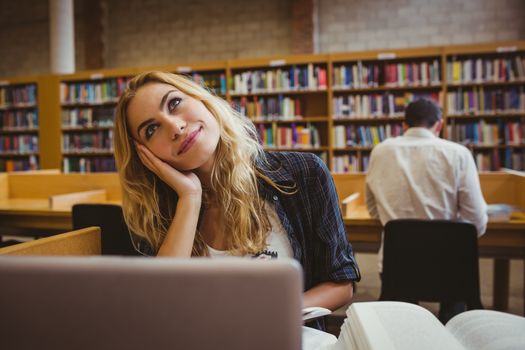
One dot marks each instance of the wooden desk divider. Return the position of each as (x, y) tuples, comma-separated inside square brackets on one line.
[(38, 172), (67, 200), (43, 185), (85, 241), (349, 204), (4, 186)]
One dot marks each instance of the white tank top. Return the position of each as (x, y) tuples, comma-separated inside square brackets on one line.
[(277, 240)]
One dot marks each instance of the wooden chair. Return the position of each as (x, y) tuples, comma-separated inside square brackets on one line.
[(80, 242)]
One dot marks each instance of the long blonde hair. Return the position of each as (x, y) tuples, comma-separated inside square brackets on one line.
[(149, 204)]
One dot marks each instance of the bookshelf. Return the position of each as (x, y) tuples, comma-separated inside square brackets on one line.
[(286, 98), (88, 101), (368, 94), (485, 103), (19, 124), (87, 108), (337, 106)]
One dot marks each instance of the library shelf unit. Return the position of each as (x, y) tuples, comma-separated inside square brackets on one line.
[(87, 108), (485, 102), (286, 98), (19, 124), (368, 94), (337, 106), (88, 101)]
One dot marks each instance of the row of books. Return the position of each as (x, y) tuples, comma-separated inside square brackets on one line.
[(293, 136), (216, 82), (375, 74), (99, 91), (364, 136), (88, 165), (269, 108), (18, 144), (487, 69), (485, 134), (100, 141), (377, 105), (18, 96), (496, 159), (87, 117), (21, 164), (19, 119), (491, 161), (294, 78), (350, 163), (480, 100)]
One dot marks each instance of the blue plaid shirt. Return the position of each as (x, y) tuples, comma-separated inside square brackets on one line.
[(311, 217)]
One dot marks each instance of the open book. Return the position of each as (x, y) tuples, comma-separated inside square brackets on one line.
[(386, 325)]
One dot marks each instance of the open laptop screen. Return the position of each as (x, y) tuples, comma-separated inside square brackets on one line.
[(144, 303)]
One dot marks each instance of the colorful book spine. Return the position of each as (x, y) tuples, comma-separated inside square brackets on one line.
[(363, 136), (486, 101), (361, 74), (377, 105), (294, 78), (486, 69)]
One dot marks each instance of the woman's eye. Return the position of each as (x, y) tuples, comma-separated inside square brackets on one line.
[(150, 130), (173, 103)]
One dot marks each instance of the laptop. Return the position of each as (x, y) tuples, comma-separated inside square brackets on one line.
[(149, 303)]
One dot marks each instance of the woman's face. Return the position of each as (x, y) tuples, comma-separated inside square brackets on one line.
[(175, 127)]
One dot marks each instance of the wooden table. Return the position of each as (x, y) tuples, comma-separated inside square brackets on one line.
[(502, 241), (34, 214), (25, 199), (19, 215)]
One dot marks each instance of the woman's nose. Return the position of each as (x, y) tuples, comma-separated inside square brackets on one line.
[(178, 126)]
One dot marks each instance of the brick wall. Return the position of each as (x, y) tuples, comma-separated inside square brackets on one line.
[(24, 38), (356, 25), (154, 32)]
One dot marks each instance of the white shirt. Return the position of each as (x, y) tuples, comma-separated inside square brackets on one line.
[(277, 240), (418, 175)]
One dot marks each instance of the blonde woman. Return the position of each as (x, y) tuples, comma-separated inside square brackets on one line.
[(196, 182)]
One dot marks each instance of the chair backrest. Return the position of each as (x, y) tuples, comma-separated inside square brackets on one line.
[(115, 235), (431, 260), (75, 243)]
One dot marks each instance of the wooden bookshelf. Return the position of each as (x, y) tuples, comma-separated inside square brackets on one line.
[(19, 124), (87, 109), (306, 103), (369, 91), (485, 102), (88, 101), (286, 98)]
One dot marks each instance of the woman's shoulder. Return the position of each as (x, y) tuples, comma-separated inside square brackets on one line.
[(295, 162)]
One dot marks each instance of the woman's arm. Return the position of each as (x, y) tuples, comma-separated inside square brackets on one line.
[(335, 265), (330, 295), (181, 233)]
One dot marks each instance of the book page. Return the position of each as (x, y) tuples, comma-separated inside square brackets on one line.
[(314, 339), (488, 329), (398, 325)]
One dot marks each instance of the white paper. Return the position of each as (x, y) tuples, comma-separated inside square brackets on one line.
[(488, 330)]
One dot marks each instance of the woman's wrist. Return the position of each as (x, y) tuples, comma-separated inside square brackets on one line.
[(193, 200)]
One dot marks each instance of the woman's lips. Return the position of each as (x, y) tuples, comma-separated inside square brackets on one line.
[(189, 141)]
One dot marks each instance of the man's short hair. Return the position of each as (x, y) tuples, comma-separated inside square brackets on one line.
[(423, 113)]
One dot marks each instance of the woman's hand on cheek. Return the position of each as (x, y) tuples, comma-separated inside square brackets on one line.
[(186, 184)]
